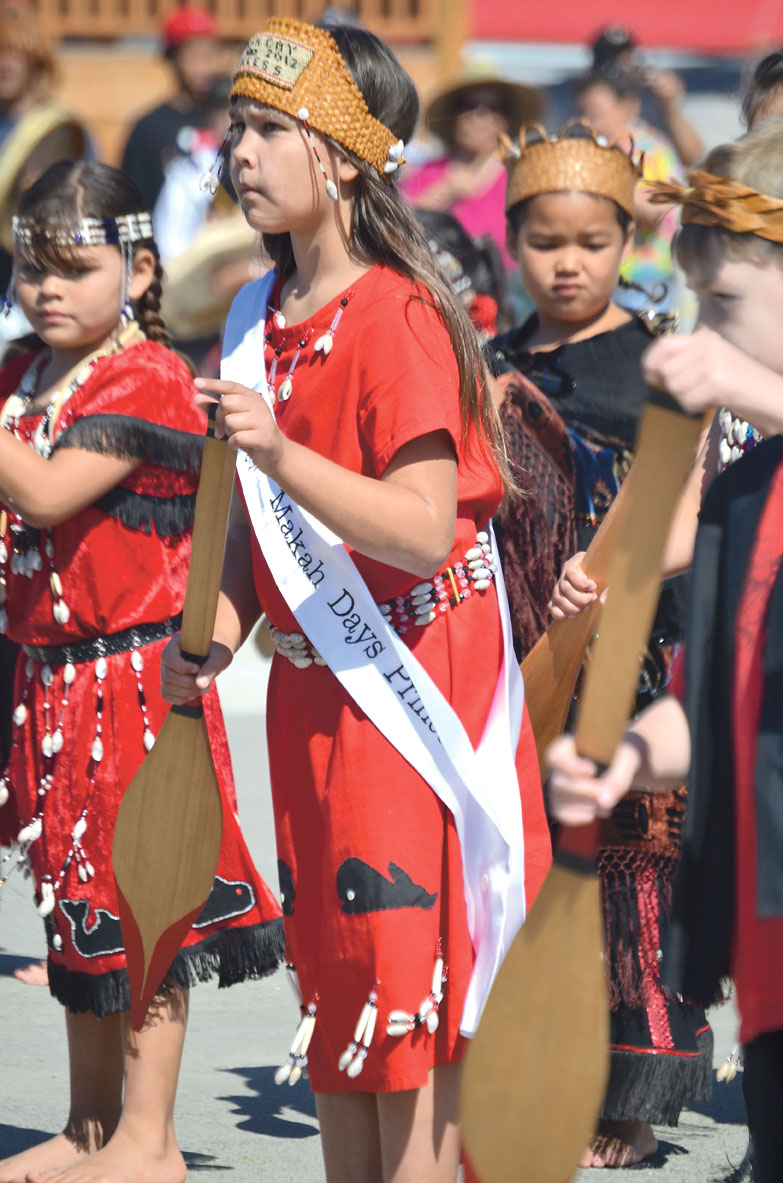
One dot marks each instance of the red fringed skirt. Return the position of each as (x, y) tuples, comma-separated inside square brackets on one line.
[(78, 739)]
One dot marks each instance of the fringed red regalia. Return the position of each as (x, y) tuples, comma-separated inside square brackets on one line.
[(92, 601)]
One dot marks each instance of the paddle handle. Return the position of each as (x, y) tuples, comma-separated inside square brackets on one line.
[(552, 666), (209, 539), (577, 846), (668, 437)]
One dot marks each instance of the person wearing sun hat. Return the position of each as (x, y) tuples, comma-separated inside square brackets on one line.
[(468, 181), (190, 46)]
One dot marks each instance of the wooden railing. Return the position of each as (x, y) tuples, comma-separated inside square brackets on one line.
[(394, 20)]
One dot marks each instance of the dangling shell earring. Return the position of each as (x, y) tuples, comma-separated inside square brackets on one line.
[(395, 160), (8, 298), (210, 181), (126, 311), (331, 188)]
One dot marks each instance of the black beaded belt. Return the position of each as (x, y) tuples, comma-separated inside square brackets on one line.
[(123, 642)]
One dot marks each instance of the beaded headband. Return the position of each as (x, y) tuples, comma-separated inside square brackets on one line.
[(568, 163), (298, 69), (126, 228), (122, 231), (718, 201)]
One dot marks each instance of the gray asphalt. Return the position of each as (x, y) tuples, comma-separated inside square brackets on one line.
[(233, 1122)]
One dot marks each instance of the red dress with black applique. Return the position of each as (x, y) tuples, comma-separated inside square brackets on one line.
[(370, 867), (123, 564)]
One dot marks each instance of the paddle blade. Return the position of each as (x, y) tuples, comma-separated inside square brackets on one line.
[(540, 1050), (166, 849), (666, 447)]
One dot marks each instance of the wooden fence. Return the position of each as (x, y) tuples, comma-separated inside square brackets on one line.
[(103, 20)]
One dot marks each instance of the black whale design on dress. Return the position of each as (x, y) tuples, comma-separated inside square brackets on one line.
[(363, 889), (228, 898), (104, 936)]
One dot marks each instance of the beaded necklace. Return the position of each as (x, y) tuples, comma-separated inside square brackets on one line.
[(322, 345), (736, 437)]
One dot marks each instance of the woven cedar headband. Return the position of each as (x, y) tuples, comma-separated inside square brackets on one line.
[(294, 67), (718, 201), (569, 163)]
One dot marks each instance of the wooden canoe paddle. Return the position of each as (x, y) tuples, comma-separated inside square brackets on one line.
[(169, 826), (535, 1074), (552, 666)]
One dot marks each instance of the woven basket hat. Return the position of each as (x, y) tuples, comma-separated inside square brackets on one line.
[(569, 163), (522, 104), (295, 67)]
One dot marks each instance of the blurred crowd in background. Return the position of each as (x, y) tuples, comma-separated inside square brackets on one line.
[(667, 112), (454, 174)]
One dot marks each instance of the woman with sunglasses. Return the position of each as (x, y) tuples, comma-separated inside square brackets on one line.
[(468, 180), (573, 370)]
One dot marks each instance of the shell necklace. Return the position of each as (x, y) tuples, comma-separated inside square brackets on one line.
[(322, 345)]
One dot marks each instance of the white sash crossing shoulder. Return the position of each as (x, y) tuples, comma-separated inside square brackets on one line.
[(323, 588)]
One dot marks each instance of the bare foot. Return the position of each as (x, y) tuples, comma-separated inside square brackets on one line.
[(124, 1159), (34, 974), (586, 1157), (56, 1152), (620, 1144)]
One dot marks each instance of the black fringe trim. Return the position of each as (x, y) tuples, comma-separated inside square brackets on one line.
[(232, 955), (167, 516), (654, 1088), (135, 439)]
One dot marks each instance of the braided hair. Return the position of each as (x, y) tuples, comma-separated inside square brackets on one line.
[(148, 308), (74, 189)]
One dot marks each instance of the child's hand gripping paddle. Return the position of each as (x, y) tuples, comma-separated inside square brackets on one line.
[(552, 666), (536, 1072), (169, 826)]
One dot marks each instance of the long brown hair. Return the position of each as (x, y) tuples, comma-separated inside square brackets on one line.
[(384, 228), (71, 190)]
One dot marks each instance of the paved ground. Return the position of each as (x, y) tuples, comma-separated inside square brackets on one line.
[(234, 1123)]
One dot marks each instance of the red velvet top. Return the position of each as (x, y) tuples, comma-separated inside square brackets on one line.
[(122, 560)]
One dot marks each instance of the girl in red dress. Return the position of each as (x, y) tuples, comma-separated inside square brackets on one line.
[(353, 386), (99, 459)]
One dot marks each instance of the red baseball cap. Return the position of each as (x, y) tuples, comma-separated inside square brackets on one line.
[(186, 24)]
